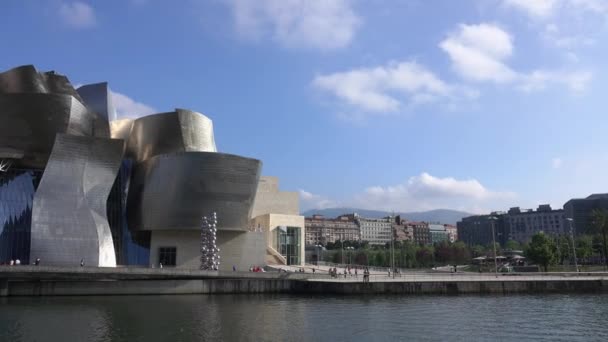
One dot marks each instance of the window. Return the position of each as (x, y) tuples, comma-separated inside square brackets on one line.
[(166, 255)]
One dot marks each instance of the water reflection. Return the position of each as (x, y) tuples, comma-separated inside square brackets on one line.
[(304, 318)]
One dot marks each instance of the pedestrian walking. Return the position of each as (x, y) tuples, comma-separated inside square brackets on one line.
[(356, 275), (82, 262)]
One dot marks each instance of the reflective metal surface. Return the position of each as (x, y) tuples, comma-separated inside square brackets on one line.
[(173, 191), (179, 131), (98, 98), (34, 108), (17, 188), (69, 211)]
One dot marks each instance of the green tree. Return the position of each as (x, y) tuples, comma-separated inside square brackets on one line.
[(478, 250), (584, 246), (379, 259), (513, 245), (541, 250), (600, 223)]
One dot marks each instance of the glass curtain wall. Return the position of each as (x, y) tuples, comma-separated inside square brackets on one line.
[(17, 189), (286, 240)]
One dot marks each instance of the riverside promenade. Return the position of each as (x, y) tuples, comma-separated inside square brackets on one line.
[(50, 281)]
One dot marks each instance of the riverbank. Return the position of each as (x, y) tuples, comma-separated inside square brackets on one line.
[(56, 281)]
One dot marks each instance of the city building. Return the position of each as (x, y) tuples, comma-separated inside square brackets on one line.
[(321, 230), (438, 233), (422, 233), (376, 231), (581, 212), (452, 232), (277, 214), (78, 185), (520, 225), (402, 231), (477, 230)]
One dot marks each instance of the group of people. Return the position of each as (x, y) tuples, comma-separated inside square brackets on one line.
[(335, 273), (17, 262), (256, 269)]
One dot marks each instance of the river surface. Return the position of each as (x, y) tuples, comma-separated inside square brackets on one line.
[(306, 318)]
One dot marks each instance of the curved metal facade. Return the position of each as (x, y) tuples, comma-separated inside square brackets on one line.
[(69, 211), (173, 191), (35, 107), (179, 131)]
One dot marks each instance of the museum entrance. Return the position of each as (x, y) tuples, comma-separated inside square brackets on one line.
[(287, 242)]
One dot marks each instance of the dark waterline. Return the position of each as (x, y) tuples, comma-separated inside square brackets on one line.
[(305, 318)]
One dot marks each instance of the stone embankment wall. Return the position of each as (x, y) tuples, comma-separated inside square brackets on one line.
[(49, 281)]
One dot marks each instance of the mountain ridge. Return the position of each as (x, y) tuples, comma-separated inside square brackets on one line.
[(444, 216)]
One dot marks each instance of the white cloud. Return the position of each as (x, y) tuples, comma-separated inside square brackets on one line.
[(545, 9), (77, 15), (534, 8), (557, 163), (427, 192), (422, 192), (387, 88), (311, 201), (576, 81), (317, 24), (126, 107), (479, 53)]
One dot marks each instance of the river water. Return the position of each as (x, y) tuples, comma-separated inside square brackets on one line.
[(306, 318)]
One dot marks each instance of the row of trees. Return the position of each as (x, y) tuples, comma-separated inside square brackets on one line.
[(543, 250), (406, 255), (548, 251)]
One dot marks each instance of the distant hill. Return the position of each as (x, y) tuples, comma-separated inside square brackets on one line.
[(439, 215)]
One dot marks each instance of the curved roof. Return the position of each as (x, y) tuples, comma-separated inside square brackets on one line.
[(179, 131)]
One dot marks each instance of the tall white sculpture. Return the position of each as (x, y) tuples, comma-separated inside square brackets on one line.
[(5, 164), (210, 254)]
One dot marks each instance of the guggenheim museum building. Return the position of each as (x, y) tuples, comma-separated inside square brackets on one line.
[(76, 184)]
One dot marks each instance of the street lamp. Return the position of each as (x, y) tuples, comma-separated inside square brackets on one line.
[(492, 219), (350, 248), (569, 219)]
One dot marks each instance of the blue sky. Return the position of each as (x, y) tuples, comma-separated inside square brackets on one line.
[(474, 105)]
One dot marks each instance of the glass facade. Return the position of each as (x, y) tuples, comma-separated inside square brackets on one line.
[(131, 248), (17, 188), (167, 255), (286, 240)]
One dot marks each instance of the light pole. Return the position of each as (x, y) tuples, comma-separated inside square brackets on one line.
[(342, 241), (492, 219), (392, 249), (569, 219), (350, 249)]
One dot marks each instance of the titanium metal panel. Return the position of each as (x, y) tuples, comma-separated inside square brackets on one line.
[(179, 131), (98, 98), (23, 79), (29, 123), (173, 191), (26, 79), (69, 220)]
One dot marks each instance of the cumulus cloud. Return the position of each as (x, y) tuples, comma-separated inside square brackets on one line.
[(316, 24), (427, 192), (312, 201), (126, 107), (418, 193), (388, 87), (479, 53), (77, 15)]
